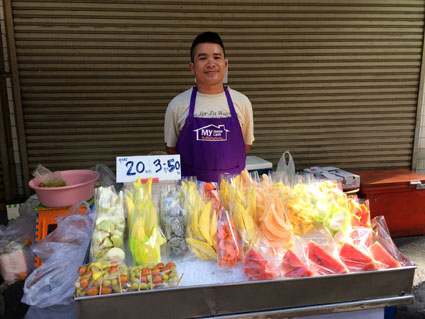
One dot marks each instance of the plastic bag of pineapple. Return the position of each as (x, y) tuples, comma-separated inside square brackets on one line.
[(145, 236)]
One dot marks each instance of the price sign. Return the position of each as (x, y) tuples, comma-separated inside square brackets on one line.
[(163, 167)]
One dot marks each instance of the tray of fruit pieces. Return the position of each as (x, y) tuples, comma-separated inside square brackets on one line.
[(245, 247)]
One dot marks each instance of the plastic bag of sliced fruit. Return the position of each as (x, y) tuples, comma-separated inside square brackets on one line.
[(173, 221), (156, 277), (107, 242), (101, 278), (201, 222), (146, 238), (327, 248)]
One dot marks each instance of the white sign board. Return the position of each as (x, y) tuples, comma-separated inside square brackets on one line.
[(163, 167)]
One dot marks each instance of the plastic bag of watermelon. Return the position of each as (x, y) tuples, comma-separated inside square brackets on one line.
[(322, 253), (262, 262), (354, 250), (295, 262), (383, 249)]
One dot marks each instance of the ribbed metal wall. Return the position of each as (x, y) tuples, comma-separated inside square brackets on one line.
[(333, 81)]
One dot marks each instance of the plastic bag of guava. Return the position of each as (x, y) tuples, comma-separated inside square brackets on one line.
[(109, 225)]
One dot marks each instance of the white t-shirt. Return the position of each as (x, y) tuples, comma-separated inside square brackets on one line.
[(207, 106)]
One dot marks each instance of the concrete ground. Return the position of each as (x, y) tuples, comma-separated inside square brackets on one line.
[(413, 248)]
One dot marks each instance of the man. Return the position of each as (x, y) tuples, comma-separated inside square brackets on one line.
[(210, 125)]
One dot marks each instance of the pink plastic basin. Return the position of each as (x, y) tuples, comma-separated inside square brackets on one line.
[(79, 187)]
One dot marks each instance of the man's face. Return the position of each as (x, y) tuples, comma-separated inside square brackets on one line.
[(209, 66)]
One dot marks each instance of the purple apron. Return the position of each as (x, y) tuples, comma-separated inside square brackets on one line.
[(211, 147)]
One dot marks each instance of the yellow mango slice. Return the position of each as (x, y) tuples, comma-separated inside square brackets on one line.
[(205, 249), (204, 223)]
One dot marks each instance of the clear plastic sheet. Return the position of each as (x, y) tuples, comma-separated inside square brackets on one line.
[(64, 250)]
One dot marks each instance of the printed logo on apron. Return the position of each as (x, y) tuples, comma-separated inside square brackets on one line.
[(211, 133)]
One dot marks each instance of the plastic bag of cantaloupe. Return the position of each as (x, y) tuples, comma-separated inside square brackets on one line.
[(272, 218)]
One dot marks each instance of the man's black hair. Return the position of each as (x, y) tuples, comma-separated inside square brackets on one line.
[(206, 37)]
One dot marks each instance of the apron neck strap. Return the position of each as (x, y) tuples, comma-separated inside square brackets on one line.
[(192, 101), (229, 101)]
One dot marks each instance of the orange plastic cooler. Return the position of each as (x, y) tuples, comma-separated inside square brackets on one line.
[(399, 195)]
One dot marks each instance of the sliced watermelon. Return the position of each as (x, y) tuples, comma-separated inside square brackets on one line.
[(382, 255), (293, 267), (256, 267), (355, 259), (326, 264)]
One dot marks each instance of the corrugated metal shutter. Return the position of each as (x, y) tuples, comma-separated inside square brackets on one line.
[(2, 197), (8, 187), (334, 81)]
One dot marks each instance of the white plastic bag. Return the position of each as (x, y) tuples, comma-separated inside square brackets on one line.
[(286, 168)]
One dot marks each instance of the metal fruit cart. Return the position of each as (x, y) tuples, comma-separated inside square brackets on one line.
[(259, 299)]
